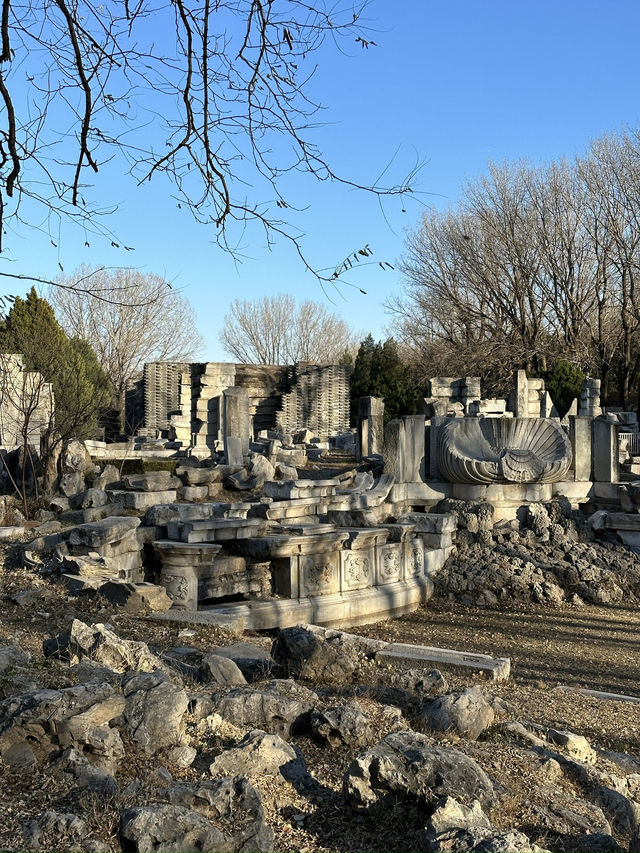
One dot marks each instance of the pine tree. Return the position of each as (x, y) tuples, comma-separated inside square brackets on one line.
[(380, 372), (81, 389)]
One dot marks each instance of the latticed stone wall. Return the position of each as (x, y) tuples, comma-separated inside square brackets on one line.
[(318, 401), (161, 393)]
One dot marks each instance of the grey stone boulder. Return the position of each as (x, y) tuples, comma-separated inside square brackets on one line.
[(11, 657), (454, 826), (102, 645), (85, 774), (169, 829), (66, 827), (306, 655), (37, 724), (268, 709), (340, 725), (253, 661), (260, 468), (407, 764), (467, 712), (217, 669), (76, 457), (154, 710), (89, 498), (260, 754), (286, 472), (234, 805), (107, 478), (421, 681), (72, 483)]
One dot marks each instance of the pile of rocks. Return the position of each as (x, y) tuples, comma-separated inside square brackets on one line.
[(553, 559), (234, 730)]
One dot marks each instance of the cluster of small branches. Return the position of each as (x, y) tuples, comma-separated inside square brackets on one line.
[(535, 263), (278, 330), (213, 94)]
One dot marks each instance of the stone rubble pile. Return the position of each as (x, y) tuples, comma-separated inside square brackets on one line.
[(554, 559), (239, 749)]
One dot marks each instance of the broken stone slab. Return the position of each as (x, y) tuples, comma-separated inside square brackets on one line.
[(193, 493), (153, 481), (107, 531), (192, 476), (164, 514), (234, 622), (218, 530), (89, 498), (601, 694), (101, 644), (363, 500), (430, 522), (135, 597), (144, 500), (408, 656), (288, 489)]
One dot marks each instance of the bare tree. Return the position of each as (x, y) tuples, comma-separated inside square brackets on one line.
[(128, 318), (535, 263), (215, 97), (277, 330)]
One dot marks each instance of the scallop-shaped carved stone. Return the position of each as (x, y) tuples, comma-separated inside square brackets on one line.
[(503, 450)]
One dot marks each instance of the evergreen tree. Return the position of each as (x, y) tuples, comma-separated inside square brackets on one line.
[(380, 372), (81, 389)]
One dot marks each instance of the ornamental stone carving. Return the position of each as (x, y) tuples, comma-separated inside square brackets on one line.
[(503, 450), (357, 569)]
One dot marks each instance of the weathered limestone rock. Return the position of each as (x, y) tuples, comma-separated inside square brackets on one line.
[(108, 477), (267, 709), (235, 806), (220, 670), (154, 710), (90, 498), (168, 828), (342, 725), (466, 712), (306, 655), (68, 827), (407, 764), (260, 754), (102, 645), (12, 656)]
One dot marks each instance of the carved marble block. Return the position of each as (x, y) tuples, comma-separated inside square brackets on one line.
[(504, 450)]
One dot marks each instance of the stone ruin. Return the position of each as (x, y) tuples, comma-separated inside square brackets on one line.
[(352, 548), (186, 402)]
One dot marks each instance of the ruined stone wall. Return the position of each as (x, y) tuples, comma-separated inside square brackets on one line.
[(23, 394), (318, 401), (161, 393), (186, 398)]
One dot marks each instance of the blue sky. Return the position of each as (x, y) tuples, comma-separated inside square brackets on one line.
[(450, 84)]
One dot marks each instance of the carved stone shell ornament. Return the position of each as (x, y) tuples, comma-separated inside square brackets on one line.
[(503, 450)]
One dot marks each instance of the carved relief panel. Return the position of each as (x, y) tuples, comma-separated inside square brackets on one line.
[(389, 564), (319, 573), (357, 569)]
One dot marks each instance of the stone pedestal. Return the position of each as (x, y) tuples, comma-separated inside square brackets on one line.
[(237, 416), (182, 564), (404, 449), (580, 435), (605, 451), (370, 426)]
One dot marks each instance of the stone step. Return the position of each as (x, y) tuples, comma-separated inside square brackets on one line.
[(407, 656)]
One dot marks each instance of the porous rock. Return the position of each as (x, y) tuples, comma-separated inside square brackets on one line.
[(102, 645), (235, 806), (261, 754), (466, 712), (407, 764), (154, 710), (342, 725), (268, 709), (305, 655)]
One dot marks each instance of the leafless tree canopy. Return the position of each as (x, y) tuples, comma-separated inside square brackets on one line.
[(214, 95), (130, 318), (277, 330), (535, 263)]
